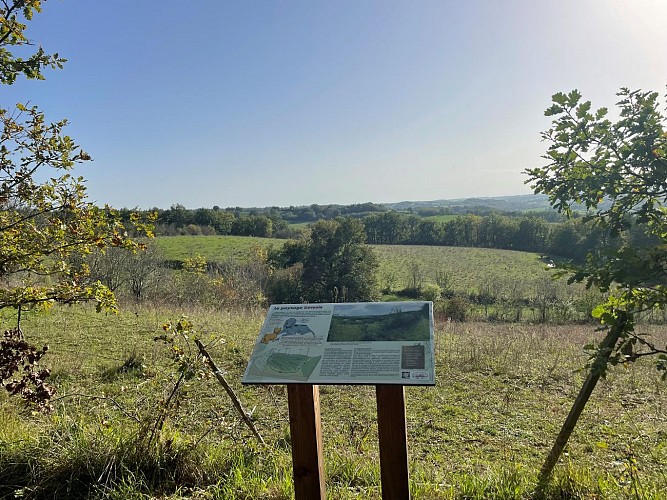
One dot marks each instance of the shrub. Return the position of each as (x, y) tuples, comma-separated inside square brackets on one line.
[(431, 292), (457, 309)]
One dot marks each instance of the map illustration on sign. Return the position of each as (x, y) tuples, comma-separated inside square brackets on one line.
[(350, 343)]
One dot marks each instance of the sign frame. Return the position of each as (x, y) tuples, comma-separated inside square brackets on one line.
[(366, 343), (338, 332)]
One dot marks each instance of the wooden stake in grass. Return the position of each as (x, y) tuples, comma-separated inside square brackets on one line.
[(232, 395), (598, 368)]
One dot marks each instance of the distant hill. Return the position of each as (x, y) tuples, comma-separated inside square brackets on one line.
[(287, 222), (516, 203)]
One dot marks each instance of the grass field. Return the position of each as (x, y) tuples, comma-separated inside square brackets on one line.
[(502, 392), (506, 275), (469, 267), (212, 248), (442, 218)]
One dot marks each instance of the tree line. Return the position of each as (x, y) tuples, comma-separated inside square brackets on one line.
[(571, 239), (271, 222)]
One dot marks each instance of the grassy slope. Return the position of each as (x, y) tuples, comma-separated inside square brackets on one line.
[(470, 267), (502, 392), (442, 218), (213, 248)]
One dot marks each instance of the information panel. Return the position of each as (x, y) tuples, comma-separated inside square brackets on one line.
[(349, 343)]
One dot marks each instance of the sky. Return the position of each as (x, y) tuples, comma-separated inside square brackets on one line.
[(279, 103)]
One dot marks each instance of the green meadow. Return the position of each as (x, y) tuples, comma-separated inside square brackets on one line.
[(502, 392), (132, 419), (212, 248), (442, 218), (470, 268), (400, 265)]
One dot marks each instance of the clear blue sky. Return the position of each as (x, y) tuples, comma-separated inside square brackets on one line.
[(259, 103)]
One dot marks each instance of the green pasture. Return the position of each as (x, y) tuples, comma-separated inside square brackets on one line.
[(400, 265), (442, 218), (212, 248), (502, 392), (470, 268)]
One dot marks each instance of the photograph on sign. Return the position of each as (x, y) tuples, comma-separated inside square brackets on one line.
[(349, 343)]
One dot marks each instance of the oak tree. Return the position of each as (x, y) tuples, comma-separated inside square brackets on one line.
[(331, 264), (45, 216), (615, 170)]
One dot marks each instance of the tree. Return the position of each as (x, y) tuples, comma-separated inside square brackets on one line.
[(253, 225), (133, 274), (616, 171), (43, 223), (532, 234), (178, 216), (12, 33), (429, 232), (334, 262)]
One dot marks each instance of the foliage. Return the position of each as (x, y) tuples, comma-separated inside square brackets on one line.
[(188, 365), (12, 33), (214, 285), (285, 286), (618, 171), (337, 265), (43, 224), (193, 285), (19, 372), (431, 291), (456, 309)]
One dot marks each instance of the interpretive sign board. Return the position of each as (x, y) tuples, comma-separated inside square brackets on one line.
[(348, 343)]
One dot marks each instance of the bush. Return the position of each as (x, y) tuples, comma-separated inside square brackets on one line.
[(284, 285), (431, 292), (457, 309)]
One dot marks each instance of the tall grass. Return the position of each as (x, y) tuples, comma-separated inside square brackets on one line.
[(502, 392)]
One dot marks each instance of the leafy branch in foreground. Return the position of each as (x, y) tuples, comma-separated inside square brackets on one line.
[(12, 33), (45, 217), (18, 370), (193, 361), (44, 224), (616, 171)]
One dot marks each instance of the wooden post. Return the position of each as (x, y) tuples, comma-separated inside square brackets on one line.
[(392, 433), (306, 432), (599, 365), (230, 392)]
